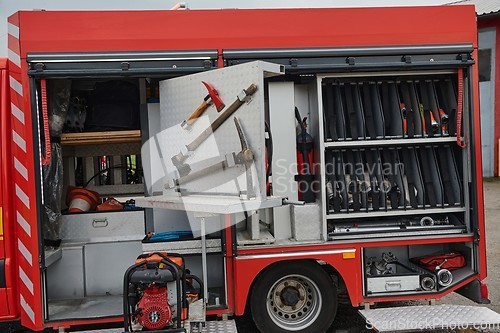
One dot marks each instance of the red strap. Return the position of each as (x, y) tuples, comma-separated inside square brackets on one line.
[(460, 105), (45, 114)]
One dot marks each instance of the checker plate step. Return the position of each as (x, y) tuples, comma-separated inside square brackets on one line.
[(223, 326), (427, 317)]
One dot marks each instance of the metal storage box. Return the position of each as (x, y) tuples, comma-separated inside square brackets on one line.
[(404, 279), (103, 226)]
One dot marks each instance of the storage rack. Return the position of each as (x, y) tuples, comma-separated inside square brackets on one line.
[(386, 138)]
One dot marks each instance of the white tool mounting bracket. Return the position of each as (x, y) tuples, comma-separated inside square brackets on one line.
[(179, 97)]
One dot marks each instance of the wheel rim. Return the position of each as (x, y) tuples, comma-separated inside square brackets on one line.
[(294, 302)]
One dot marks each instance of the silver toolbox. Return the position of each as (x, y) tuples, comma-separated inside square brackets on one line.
[(103, 226), (403, 279)]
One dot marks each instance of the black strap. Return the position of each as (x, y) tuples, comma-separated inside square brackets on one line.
[(372, 170), (386, 107), (393, 192), (353, 185), (352, 113), (326, 129), (368, 108), (418, 120), (449, 194), (429, 185), (426, 111), (428, 123), (410, 177), (452, 121), (410, 116), (332, 113), (337, 198), (340, 184), (331, 177), (433, 107)]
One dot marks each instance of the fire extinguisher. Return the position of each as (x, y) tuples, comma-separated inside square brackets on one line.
[(305, 160)]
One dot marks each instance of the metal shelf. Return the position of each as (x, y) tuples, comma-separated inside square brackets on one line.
[(184, 246), (390, 142), (430, 231), (395, 212)]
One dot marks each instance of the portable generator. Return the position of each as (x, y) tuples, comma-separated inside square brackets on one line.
[(157, 292)]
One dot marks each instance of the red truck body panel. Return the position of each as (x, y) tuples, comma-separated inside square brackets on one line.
[(101, 31), (9, 294)]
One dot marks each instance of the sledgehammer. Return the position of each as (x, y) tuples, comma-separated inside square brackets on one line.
[(178, 160)]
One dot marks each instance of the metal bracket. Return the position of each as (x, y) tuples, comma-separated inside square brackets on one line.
[(243, 97), (351, 61), (293, 62), (207, 64), (407, 59), (125, 66), (39, 66), (464, 57)]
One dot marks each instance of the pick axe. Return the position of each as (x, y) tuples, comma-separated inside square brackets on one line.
[(211, 98), (178, 160), (243, 157)]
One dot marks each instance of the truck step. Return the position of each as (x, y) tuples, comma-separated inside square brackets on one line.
[(431, 317), (223, 326)]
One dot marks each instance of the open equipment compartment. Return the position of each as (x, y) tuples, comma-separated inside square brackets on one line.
[(405, 163), (404, 269), (104, 155), (100, 155), (411, 180)]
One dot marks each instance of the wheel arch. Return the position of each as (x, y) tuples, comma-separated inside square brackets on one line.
[(249, 270)]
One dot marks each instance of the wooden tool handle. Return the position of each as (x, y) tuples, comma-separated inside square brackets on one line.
[(221, 119), (251, 89), (197, 113)]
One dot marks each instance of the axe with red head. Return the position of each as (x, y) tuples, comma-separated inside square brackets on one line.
[(211, 98)]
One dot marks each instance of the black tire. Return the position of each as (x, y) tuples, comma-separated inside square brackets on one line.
[(292, 279)]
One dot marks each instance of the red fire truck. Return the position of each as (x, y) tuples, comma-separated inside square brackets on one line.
[(351, 166)]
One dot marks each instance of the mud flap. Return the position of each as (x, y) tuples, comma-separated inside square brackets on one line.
[(427, 317)]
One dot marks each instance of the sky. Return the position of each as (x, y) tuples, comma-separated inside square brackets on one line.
[(7, 7)]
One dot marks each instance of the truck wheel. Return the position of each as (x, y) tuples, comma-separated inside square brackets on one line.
[(294, 297)]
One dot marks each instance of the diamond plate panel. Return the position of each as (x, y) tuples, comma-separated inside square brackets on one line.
[(109, 330), (425, 317), (224, 326), (123, 225), (181, 96)]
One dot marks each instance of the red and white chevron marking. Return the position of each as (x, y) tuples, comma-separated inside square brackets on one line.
[(28, 270)]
